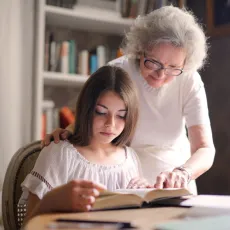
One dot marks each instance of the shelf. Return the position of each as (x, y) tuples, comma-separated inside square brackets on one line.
[(60, 79), (95, 19)]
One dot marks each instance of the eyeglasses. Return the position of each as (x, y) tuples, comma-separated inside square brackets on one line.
[(155, 65)]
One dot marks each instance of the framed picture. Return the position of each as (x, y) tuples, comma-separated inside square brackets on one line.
[(218, 17)]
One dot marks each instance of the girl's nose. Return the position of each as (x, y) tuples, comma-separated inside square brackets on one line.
[(110, 121)]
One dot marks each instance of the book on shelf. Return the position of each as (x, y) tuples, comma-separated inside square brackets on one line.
[(47, 117), (101, 4), (133, 8), (93, 63), (63, 56), (53, 118), (101, 56), (66, 117), (83, 64), (142, 7), (62, 3), (72, 57), (125, 198), (43, 129)]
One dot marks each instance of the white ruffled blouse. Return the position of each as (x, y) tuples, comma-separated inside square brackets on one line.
[(60, 163)]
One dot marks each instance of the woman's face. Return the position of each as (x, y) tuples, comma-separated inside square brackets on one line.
[(109, 118), (161, 56)]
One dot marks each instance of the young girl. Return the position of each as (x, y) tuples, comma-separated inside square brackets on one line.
[(106, 117)]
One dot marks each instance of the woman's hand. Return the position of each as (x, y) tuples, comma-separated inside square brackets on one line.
[(57, 135), (174, 179), (77, 195), (138, 183)]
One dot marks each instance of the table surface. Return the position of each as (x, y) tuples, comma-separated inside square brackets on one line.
[(142, 218)]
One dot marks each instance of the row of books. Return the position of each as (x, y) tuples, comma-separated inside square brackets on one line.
[(62, 3), (53, 117), (64, 57), (133, 8), (127, 8)]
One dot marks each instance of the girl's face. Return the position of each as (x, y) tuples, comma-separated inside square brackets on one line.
[(162, 64), (109, 117)]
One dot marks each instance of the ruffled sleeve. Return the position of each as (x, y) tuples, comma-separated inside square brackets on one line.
[(51, 169)]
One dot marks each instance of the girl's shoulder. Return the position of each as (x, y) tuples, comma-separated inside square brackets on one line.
[(61, 150)]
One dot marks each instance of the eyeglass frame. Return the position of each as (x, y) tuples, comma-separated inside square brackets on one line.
[(161, 66)]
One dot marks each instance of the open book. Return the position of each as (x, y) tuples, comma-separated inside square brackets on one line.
[(135, 197)]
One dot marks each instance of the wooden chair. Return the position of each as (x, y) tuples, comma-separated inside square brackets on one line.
[(20, 165)]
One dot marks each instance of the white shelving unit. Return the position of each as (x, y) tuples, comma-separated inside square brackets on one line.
[(60, 79), (91, 19), (80, 18)]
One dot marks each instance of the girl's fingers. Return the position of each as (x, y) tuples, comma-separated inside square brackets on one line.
[(90, 184), (133, 182)]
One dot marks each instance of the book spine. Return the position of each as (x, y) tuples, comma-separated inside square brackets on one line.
[(48, 107), (93, 63), (101, 56), (84, 62), (66, 117), (65, 57), (72, 57)]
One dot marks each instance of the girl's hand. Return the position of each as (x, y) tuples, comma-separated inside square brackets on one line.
[(174, 179), (77, 195), (138, 183), (57, 135)]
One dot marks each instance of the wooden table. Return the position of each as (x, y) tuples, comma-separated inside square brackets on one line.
[(142, 218)]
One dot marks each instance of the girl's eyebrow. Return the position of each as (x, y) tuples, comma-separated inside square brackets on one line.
[(102, 106), (107, 108)]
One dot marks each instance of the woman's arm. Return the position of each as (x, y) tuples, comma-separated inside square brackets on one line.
[(202, 149), (203, 152)]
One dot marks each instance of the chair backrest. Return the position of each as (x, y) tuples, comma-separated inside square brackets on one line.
[(20, 165)]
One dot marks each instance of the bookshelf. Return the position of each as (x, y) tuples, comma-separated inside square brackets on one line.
[(80, 18), (60, 79), (91, 19)]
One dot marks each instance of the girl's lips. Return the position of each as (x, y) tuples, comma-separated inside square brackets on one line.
[(107, 134)]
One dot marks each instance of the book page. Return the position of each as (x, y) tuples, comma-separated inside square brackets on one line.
[(151, 194), (139, 192), (117, 200), (166, 193)]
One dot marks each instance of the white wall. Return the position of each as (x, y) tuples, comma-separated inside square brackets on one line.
[(16, 64)]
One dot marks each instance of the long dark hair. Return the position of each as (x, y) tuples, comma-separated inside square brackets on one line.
[(106, 78)]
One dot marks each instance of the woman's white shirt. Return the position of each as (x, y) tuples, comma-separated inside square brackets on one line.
[(60, 163), (160, 139)]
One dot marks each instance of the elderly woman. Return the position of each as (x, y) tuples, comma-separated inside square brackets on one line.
[(163, 52)]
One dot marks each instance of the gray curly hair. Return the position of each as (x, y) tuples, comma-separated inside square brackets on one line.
[(172, 25)]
